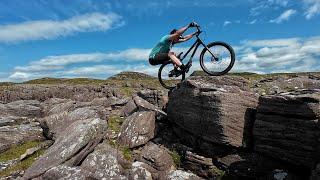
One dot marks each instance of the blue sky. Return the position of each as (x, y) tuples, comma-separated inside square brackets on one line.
[(96, 39)]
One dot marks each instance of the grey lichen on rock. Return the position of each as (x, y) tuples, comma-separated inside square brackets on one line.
[(75, 140), (137, 129), (105, 162)]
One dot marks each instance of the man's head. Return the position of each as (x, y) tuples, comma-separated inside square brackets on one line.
[(173, 32)]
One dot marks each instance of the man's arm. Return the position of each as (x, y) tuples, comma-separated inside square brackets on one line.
[(187, 37), (179, 32)]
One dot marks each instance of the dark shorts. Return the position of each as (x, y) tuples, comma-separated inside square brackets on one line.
[(159, 58)]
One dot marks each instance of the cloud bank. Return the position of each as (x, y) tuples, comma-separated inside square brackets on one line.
[(285, 16), (260, 56), (51, 29)]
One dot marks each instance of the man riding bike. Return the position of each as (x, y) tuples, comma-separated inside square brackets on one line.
[(161, 52)]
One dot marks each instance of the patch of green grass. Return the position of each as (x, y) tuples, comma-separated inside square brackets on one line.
[(22, 165), (115, 122), (127, 91), (176, 158), (216, 172), (17, 150), (127, 153)]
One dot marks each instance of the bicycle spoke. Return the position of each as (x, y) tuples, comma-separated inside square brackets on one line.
[(169, 78), (222, 61)]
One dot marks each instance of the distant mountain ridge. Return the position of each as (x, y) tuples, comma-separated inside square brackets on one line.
[(130, 75)]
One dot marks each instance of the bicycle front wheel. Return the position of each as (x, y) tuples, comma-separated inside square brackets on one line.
[(221, 62), (167, 81)]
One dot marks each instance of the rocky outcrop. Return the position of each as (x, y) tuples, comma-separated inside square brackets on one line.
[(18, 123), (71, 147), (214, 130), (21, 108), (178, 174), (156, 97), (55, 124), (213, 109), (137, 129), (15, 134), (287, 127), (105, 162), (201, 165), (158, 158), (41, 92), (67, 172), (140, 170), (139, 104)]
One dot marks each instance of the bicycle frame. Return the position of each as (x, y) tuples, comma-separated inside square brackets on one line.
[(195, 45)]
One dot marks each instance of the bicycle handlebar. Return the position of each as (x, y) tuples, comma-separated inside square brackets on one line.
[(198, 30)]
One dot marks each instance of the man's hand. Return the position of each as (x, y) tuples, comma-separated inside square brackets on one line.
[(193, 24)]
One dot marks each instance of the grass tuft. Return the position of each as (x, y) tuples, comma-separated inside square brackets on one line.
[(17, 150), (125, 151), (176, 158), (115, 122), (14, 153), (216, 172)]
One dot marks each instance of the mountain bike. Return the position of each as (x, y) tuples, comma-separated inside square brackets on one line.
[(216, 59)]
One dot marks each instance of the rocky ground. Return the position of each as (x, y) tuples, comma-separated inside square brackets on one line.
[(240, 126)]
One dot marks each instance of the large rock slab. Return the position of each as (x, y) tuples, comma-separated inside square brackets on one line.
[(139, 104), (71, 147), (212, 109), (64, 172), (141, 171), (55, 124), (56, 105), (137, 129), (105, 162), (158, 158), (42, 92), (182, 175), (22, 108), (287, 127), (14, 134), (156, 97)]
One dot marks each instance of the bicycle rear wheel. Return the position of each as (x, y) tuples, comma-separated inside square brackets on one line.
[(222, 63), (165, 80)]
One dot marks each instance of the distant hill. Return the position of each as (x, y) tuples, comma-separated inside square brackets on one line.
[(48, 80), (136, 77), (131, 75), (253, 76)]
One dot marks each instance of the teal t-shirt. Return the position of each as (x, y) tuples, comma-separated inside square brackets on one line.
[(163, 46)]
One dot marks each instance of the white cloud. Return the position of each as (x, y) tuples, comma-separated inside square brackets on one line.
[(50, 29), (313, 8), (226, 23), (97, 69), (285, 16), (18, 76), (263, 5), (253, 21), (59, 62), (279, 55)]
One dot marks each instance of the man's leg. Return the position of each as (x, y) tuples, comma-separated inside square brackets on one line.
[(174, 59), (177, 62)]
